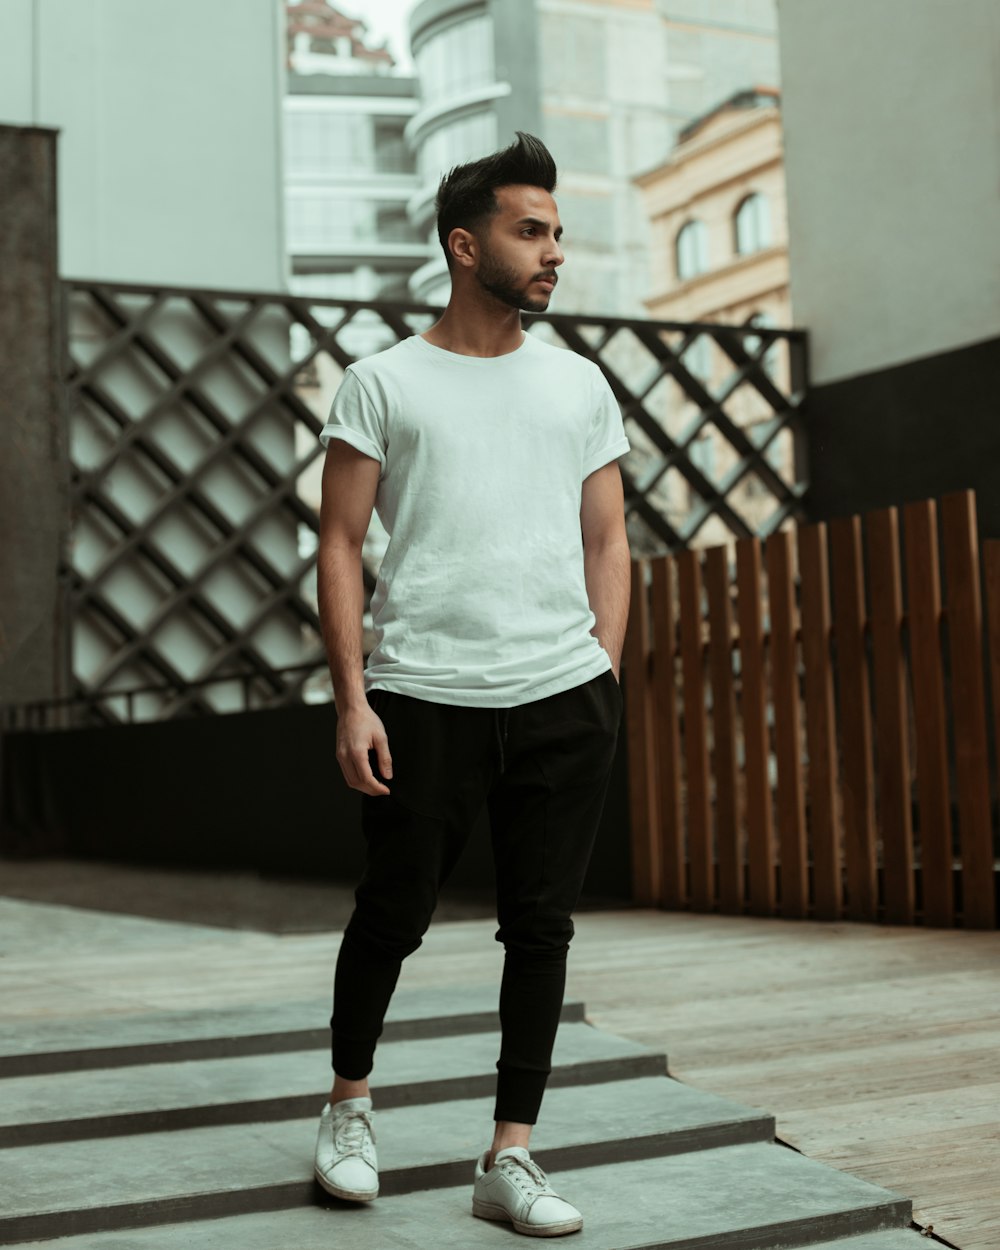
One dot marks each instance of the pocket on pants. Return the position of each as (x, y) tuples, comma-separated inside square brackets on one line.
[(608, 678), (432, 752)]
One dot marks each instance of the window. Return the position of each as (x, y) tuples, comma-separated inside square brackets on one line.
[(331, 142), (753, 224), (692, 250), (392, 156), (325, 142), (318, 221)]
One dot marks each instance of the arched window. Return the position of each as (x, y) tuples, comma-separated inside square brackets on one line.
[(753, 224), (692, 250)]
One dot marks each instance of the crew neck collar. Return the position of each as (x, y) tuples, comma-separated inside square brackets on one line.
[(461, 358)]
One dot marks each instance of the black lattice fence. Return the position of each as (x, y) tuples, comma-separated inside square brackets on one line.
[(194, 417)]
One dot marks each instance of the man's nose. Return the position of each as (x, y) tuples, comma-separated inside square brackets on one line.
[(554, 254)]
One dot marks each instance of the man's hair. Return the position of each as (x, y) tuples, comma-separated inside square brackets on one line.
[(466, 196)]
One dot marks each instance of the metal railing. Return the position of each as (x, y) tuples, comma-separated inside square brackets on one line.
[(194, 417)]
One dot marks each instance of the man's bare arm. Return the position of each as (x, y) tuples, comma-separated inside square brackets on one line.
[(350, 480), (606, 558)]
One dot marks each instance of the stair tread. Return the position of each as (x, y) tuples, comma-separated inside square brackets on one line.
[(24, 1042), (707, 1198), (150, 1088), (168, 1166)]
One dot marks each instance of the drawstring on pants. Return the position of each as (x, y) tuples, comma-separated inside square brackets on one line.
[(502, 717)]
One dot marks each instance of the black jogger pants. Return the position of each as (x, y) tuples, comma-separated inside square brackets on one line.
[(543, 769)]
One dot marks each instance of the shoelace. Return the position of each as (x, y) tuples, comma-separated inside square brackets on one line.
[(349, 1135), (537, 1187)]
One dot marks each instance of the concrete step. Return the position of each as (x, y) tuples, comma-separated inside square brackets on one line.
[(190, 1174), (26, 1048), (145, 1098), (755, 1196)]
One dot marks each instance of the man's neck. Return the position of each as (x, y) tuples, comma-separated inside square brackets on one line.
[(473, 332)]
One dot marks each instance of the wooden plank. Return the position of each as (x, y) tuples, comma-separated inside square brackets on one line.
[(923, 578), (824, 823), (891, 721), (753, 712), (640, 745), (965, 634), (858, 784), (728, 816), (667, 733), (991, 569), (793, 895), (699, 814), (885, 1038)]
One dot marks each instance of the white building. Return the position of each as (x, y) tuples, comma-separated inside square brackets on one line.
[(606, 84), (348, 171)]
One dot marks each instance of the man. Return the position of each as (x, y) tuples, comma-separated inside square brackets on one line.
[(499, 615)]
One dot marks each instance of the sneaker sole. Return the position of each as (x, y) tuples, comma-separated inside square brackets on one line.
[(490, 1211), (350, 1195)]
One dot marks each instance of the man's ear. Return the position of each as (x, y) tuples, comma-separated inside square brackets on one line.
[(463, 247)]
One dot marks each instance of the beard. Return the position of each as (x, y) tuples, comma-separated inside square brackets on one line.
[(501, 281)]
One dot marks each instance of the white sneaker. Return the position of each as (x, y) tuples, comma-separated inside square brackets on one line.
[(346, 1163), (516, 1189)]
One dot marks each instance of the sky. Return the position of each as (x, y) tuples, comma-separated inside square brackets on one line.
[(386, 19)]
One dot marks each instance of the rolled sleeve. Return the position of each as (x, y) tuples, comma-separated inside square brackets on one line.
[(606, 439), (355, 419)]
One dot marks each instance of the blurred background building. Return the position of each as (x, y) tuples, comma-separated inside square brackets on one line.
[(606, 84), (719, 253), (348, 170)]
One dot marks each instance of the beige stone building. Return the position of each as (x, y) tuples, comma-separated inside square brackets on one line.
[(719, 253)]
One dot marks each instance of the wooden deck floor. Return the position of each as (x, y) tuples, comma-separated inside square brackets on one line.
[(877, 1048)]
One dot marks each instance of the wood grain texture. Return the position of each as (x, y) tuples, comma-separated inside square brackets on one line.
[(891, 716), (850, 618), (666, 686), (785, 697), (923, 578), (753, 712), (699, 797), (725, 770), (821, 732), (641, 745), (961, 546)]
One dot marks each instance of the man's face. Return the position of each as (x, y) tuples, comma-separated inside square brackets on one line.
[(519, 249)]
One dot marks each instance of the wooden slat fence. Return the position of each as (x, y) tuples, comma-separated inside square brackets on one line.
[(807, 740)]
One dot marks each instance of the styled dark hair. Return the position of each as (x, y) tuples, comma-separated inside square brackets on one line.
[(466, 196)]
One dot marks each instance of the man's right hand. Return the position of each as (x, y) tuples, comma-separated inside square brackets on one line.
[(359, 731)]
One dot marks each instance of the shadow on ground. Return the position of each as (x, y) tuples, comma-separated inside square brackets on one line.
[(223, 897)]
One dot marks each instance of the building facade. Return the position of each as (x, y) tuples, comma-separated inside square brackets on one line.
[(348, 170), (719, 253), (607, 84), (718, 220)]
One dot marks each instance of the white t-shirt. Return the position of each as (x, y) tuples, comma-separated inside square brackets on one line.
[(480, 598)]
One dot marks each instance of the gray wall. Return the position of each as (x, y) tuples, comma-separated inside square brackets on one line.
[(34, 514), (892, 147), (169, 118)]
